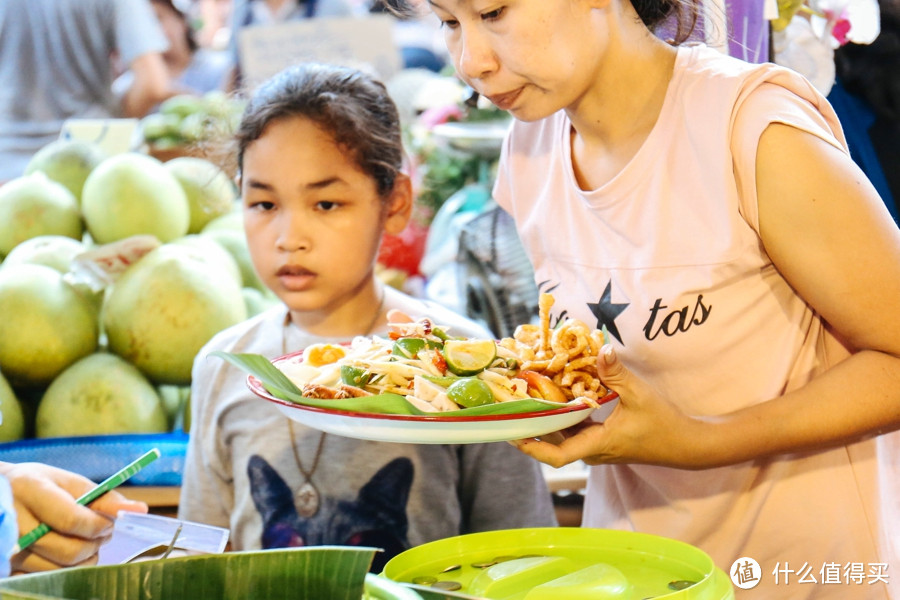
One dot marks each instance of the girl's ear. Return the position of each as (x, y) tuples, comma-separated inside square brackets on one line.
[(400, 205)]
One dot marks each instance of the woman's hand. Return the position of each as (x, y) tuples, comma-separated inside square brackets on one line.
[(45, 494), (642, 428)]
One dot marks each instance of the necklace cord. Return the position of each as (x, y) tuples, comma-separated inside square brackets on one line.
[(308, 474)]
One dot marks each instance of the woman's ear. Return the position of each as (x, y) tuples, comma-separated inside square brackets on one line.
[(399, 206)]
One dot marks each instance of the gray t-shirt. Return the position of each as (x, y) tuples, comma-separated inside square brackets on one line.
[(241, 471), (56, 63)]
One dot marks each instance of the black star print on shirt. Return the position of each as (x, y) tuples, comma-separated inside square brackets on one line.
[(606, 312)]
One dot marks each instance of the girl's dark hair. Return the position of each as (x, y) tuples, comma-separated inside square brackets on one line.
[(653, 13), (353, 107)]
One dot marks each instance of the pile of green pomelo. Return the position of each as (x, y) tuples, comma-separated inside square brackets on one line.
[(114, 272)]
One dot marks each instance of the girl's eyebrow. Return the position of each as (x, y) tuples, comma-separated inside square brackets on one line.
[(324, 183), (315, 185), (258, 185)]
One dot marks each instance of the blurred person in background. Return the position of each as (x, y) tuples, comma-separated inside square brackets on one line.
[(56, 63), (249, 13), (866, 97), (213, 22), (419, 37), (190, 68)]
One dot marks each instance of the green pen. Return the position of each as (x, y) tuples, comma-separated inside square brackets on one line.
[(112, 482)]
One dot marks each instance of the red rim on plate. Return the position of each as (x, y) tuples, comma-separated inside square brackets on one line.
[(259, 389)]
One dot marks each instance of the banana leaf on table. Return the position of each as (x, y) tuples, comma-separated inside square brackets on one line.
[(319, 572)]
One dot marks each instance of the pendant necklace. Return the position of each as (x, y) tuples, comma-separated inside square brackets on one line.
[(306, 498)]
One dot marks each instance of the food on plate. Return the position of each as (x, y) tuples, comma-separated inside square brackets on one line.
[(566, 355), (436, 372)]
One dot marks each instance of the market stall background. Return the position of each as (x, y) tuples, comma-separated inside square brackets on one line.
[(483, 275)]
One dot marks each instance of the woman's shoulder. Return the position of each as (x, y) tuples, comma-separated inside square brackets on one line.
[(705, 68)]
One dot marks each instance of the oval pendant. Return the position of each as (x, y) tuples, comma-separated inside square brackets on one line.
[(307, 500)]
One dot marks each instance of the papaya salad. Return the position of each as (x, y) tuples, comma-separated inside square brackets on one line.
[(436, 372)]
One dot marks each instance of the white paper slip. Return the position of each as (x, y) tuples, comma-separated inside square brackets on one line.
[(138, 534)]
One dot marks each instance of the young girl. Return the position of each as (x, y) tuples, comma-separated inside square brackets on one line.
[(706, 212), (320, 159)]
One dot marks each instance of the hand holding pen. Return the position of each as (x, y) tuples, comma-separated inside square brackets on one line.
[(45, 494)]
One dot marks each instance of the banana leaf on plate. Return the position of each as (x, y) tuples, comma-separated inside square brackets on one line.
[(278, 385)]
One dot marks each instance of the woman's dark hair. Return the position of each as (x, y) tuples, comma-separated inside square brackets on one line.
[(682, 15), (353, 107)]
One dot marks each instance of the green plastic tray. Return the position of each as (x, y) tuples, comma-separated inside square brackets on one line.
[(564, 562)]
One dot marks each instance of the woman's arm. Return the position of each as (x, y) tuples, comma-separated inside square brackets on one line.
[(831, 237)]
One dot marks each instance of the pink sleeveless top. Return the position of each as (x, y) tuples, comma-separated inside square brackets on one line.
[(667, 256)]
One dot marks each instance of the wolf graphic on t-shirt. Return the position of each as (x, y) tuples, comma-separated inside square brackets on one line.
[(376, 517)]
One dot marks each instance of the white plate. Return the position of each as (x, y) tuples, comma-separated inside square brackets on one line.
[(412, 429), (483, 138)]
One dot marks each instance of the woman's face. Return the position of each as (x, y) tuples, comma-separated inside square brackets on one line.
[(529, 57), (313, 218)]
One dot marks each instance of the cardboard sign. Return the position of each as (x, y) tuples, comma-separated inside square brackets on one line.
[(113, 135), (362, 42)]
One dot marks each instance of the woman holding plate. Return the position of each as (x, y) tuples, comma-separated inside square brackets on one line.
[(706, 212)]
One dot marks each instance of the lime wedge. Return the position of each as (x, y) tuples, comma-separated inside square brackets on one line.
[(469, 392), (469, 357)]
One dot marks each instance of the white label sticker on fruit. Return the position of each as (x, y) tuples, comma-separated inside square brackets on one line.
[(100, 266)]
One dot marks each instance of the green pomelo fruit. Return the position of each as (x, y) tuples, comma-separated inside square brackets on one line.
[(257, 302), (175, 400), (232, 221), (12, 427), (132, 194), (165, 307), (219, 258), (56, 251), (157, 126), (210, 192), (235, 242), (68, 162), (46, 324), (34, 205), (181, 105), (100, 394)]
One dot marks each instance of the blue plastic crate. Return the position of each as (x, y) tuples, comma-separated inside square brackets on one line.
[(99, 456)]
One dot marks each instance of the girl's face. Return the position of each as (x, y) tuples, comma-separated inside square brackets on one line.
[(314, 220), (529, 57)]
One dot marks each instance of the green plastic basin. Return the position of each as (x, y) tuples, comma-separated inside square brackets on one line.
[(563, 562)]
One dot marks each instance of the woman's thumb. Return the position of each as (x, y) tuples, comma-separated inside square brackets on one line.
[(610, 369)]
